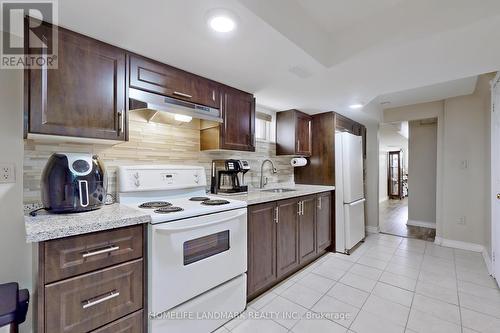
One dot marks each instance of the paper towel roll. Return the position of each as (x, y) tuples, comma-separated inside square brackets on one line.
[(298, 162)]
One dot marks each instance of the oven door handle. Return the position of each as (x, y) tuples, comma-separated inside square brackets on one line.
[(166, 228)]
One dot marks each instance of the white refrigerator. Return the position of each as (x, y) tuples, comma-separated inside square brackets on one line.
[(349, 193)]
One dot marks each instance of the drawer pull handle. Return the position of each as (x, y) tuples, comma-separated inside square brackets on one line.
[(90, 303), (101, 251), (182, 94)]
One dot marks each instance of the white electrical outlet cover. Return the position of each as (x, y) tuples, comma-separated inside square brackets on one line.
[(7, 173)]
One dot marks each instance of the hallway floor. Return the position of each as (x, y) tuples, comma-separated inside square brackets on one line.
[(393, 215), (388, 284)]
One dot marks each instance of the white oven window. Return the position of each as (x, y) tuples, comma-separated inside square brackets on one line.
[(204, 247)]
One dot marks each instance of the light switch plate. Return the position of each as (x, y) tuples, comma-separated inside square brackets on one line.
[(7, 173)]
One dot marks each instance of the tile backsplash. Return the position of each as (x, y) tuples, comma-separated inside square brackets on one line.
[(152, 143)]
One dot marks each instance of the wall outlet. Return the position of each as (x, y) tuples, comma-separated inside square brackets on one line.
[(7, 173), (461, 220)]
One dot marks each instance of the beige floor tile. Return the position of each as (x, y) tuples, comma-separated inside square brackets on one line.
[(393, 294), (348, 294)]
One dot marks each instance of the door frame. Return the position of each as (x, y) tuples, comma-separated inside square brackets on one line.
[(495, 209)]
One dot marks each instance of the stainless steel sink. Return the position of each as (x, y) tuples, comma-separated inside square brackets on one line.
[(279, 190)]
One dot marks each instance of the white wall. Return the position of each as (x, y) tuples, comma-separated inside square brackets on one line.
[(15, 253), (422, 168), (463, 134), (466, 189), (372, 168)]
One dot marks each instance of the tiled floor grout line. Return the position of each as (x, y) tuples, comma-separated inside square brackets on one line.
[(458, 294), (383, 247)]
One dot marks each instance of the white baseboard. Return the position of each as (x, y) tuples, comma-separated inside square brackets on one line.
[(372, 230), (383, 199), (487, 260), (466, 246), (424, 224)]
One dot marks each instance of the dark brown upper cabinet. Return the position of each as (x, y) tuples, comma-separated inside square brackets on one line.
[(237, 132), (85, 96), (293, 133), (155, 77)]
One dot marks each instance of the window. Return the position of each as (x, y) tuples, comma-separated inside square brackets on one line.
[(205, 247), (263, 123)]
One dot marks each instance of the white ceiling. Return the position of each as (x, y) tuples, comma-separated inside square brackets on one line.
[(314, 55), (391, 139), (435, 92)]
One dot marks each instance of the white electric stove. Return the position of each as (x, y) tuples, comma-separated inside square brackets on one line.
[(197, 247)]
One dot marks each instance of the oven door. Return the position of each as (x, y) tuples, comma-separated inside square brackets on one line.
[(191, 256)]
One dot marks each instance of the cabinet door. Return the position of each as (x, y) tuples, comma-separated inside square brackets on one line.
[(307, 228), (238, 129), (324, 221), (85, 96), (303, 135), (261, 247), (287, 236), (159, 78)]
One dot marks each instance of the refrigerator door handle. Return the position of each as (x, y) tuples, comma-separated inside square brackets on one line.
[(357, 202)]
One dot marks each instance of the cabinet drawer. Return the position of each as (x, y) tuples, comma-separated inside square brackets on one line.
[(130, 324), (87, 302), (81, 254)]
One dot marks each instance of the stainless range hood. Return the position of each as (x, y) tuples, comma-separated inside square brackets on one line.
[(141, 100)]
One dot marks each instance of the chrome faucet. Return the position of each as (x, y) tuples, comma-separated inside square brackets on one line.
[(262, 183)]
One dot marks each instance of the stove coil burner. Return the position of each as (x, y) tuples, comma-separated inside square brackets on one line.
[(199, 199), (168, 209), (155, 204), (215, 202)]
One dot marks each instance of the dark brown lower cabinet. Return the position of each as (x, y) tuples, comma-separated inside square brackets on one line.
[(307, 228), (324, 226), (261, 246), (287, 236), (284, 236), (106, 291)]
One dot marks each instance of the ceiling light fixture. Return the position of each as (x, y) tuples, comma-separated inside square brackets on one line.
[(222, 22), (183, 118), (356, 106)]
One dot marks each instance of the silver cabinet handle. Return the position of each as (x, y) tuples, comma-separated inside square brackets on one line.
[(120, 122), (101, 251), (182, 94), (276, 215), (302, 208), (90, 303), (319, 202), (213, 95), (299, 211)]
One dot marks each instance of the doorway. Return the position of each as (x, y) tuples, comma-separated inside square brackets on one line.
[(404, 209)]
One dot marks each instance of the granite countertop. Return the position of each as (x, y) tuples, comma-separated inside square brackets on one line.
[(46, 226), (256, 196)]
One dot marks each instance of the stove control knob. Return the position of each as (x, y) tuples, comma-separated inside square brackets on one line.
[(136, 175), (137, 183), (196, 179)]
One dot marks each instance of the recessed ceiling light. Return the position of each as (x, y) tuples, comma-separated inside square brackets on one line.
[(356, 106), (222, 23), (183, 118)]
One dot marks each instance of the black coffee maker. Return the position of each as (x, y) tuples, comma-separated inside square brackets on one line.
[(225, 178)]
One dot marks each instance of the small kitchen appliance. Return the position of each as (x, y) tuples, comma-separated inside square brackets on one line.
[(73, 183), (197, 247), (226, 178)]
